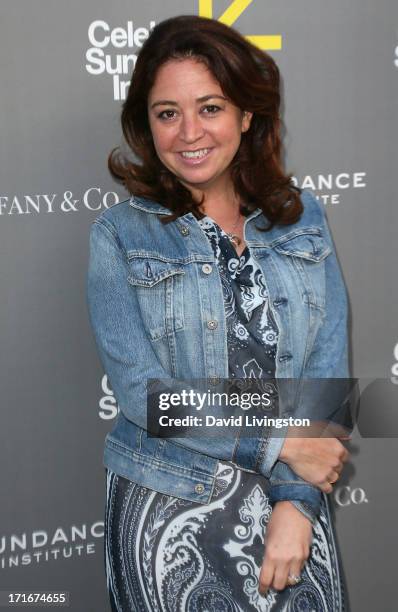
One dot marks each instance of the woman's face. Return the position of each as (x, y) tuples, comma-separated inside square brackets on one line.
[(196, 130)]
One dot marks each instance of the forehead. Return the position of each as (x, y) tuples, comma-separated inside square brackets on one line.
[(183, 76)]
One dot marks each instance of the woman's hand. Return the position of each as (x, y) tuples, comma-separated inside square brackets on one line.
[(319, 461), (287, 546)]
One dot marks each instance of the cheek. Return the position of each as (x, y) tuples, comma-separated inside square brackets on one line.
[(162, 139), (156, 133), (230, 133)]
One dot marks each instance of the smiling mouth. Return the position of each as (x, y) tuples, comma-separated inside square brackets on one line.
[(195, 155)]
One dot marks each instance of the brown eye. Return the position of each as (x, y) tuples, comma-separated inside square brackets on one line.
[(213, 109), (162, 114)]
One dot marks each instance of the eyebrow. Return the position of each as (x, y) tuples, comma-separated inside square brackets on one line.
[(173, 103)]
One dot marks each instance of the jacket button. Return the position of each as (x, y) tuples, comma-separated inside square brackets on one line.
[(207, 268), (214, 380), (184, 230), (212, 324), (199, 488)]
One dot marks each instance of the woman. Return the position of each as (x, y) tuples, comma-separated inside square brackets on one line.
[(216, 267)]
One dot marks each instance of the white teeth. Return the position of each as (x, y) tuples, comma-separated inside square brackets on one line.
[(195, 154)]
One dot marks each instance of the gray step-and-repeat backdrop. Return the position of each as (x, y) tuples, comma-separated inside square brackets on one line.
[(65, 68)]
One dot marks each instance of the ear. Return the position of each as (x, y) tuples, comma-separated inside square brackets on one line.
[(246, 120)]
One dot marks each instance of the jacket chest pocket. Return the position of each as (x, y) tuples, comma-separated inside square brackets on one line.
[(159, 287), (306, 253)]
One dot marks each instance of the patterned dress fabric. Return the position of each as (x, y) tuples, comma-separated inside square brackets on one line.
[(166, 554)]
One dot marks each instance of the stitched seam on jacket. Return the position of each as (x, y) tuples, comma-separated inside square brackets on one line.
[(150, 460)]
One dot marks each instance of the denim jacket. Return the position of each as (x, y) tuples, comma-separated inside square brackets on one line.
[(152, 289)]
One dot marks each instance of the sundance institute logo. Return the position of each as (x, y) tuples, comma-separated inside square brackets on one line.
[(43, 545), (114, 51)]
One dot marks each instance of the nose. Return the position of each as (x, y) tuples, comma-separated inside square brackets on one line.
[(191, 128)]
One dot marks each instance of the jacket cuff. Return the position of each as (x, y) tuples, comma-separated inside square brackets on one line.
[(260, 450), (271, 451), (306, 509), (307, 496)]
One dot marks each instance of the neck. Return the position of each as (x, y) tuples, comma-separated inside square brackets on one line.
[(221, 204)]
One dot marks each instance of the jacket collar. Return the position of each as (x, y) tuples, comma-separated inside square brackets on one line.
[(154, 207), (149, 206)]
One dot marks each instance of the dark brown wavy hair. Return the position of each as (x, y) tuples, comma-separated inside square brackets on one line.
[(247, 76)]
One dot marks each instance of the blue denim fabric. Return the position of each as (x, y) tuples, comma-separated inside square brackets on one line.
[(149, 300)]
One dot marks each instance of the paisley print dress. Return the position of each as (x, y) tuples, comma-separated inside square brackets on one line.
[(166, 554)]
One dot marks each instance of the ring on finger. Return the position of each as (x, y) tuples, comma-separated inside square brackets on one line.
[(294, 579)]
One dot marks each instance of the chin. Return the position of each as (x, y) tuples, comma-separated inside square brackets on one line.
[(196, 180)]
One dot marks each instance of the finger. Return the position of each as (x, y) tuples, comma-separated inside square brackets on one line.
[(266, 576), (333, 477), (344, 455), (295, 569), (326, 487), (339, 467), (280, 576)]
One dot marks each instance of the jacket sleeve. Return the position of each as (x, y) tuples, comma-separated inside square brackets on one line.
[(127, 355), (328, 359)]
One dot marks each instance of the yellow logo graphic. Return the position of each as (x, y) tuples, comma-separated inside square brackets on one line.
[(266, 42)]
